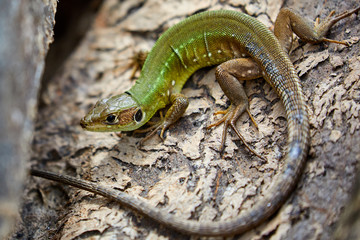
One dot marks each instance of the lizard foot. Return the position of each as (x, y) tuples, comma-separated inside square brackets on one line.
[(229, 119), (324, 26), (153, 129)]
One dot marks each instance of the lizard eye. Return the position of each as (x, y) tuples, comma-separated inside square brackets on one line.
[(138, 116), (111, 119)]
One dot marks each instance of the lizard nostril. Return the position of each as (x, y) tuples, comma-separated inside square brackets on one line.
[(82, 123)]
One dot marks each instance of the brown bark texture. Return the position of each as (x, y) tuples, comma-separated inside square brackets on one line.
[(185, 175), (26, 30)]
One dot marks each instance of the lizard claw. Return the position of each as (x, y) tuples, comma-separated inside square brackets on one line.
[(229, 119)]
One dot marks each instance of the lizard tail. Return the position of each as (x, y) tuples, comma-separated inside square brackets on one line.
[(277, 193)]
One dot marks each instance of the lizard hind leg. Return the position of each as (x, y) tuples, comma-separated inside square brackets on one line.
[(289, 21), (324, 26), (228, 75)]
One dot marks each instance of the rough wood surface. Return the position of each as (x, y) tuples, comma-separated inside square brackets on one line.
[(185, 174), (26, 30)]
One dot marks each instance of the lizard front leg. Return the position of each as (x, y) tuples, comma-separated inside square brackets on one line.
[(179, 104)]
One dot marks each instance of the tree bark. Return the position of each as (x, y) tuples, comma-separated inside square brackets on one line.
[(26, 30)]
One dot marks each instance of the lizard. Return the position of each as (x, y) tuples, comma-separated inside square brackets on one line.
[(244, 49)]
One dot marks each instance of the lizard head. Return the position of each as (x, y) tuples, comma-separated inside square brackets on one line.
[(114, 114)]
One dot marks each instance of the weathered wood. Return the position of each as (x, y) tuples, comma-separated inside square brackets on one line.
[(25, 34)]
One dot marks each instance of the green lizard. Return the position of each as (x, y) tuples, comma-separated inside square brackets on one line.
[(245, 50)]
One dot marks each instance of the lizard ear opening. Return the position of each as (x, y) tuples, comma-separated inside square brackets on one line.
[(138, 116)]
